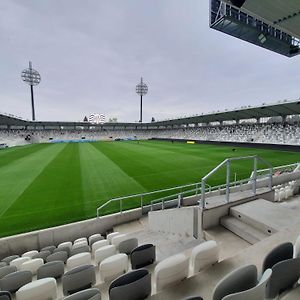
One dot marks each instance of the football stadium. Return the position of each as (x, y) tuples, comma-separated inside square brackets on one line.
[(199, 207)]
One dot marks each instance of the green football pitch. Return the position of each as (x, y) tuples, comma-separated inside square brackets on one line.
[(43, 185)]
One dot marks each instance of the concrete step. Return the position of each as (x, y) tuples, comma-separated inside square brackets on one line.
[(264, 215), (247, 232)]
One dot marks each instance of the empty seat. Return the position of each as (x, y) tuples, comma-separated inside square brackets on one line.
[(88, 294), (78, 279), (113, 266), (80, 240), (142, 256), (30, 253), (194, 298), (297, 248), (95, 238), (43, 255), (41, 289), (65, 244), (80, 249), (104, 252), (63, 248), (281, 252), (7, 270), (128, 245), (19, 261), (134, 285), (285, 274), (79, 244), (32, 265), (170, 271), (97, 245), (112, 235), (78, 260), (13, 281), (8, 259), (3, 264), (5, 295), (53, 269), (58, 256), (49, 248), (116, 240), (256, 293), (203, 256), (239, 280)]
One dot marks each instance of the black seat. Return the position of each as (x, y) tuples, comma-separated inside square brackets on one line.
[(135, 285), (142, 256)]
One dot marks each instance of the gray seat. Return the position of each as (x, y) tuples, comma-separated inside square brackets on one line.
[(43, 255), (128, 245), (79, 278), (13, 281), (95, 239), (282, 252), (3, 264), (49, 248), (63, 248), (89, 294), (135, 285), (285, 274), (5, 295), (58, 256), (142, 256), (81, 249), (53, 269), (8, 259), (239, 280), (7, 270)]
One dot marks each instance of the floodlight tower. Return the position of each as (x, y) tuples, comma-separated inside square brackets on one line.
[(31, 77), (141, 89)]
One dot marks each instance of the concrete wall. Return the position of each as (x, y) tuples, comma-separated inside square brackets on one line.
[(21, 243), (174, 221)]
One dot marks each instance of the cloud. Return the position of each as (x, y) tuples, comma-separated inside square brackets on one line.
[(92, 53)]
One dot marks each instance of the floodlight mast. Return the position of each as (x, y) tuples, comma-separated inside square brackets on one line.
[(31, 77), (141, 89)]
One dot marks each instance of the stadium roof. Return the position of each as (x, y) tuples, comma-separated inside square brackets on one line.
[(271, 24), (266, 110)]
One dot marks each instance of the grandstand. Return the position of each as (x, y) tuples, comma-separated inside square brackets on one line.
[(202, 207)]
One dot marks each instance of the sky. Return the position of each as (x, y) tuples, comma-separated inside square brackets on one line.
[(92, 53)]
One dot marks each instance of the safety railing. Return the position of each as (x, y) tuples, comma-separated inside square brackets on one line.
[(200, 189), (227, 162)]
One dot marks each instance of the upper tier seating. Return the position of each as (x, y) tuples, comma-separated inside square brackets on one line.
[(88, 294), (142, 256)]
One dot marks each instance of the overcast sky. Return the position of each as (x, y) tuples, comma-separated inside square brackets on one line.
[(92, 53)]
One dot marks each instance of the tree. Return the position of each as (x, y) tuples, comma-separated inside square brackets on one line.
[(85, 119)]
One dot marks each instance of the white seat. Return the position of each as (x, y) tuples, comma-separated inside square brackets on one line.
[(104, 252), (94, 236), (19, 261), (32, 265), (83, 239), (288, 192), (30, 253), (65, 244), (170, 271), (41, 289), (297, 247), (116, 240), (98, 245), (113, 266), (281, 194), (203, 256), (79, 244), (79, 259), (111, 235)]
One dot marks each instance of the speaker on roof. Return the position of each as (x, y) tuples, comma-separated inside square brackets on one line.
[(238, 3)]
